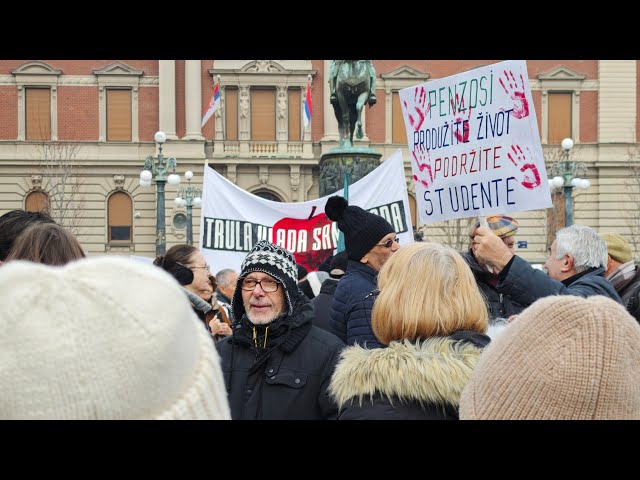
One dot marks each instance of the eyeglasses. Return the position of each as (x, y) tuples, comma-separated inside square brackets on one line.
[(388, 243), (267, 285), (206, 265)]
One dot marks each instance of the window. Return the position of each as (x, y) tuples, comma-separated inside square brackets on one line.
[(263, 114), (120, 217), (559, 116), (38, 113), (231, 113), (413, 212), (37, 201), (118, 115), (399, 132), (295, 108), (267, 195)]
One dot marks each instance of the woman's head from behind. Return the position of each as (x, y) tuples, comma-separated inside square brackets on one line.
[(427, 289), (189, 267), (46, 243)]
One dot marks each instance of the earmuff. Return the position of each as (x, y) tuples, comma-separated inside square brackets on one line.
[(183, 274)]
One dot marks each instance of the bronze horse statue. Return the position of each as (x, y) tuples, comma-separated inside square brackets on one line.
[(352, 90)]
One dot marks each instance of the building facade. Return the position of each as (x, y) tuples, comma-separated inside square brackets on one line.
[(74, 135)]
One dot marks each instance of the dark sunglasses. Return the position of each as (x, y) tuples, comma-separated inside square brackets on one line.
[(389, 243)]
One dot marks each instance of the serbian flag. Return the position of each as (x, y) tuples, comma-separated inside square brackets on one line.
[(214, 103), (307, 106)]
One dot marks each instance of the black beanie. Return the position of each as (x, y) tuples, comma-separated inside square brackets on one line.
[(362, 230)]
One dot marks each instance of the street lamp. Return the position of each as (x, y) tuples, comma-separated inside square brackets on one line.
[(189, 196), (565, 174), (159, 167)]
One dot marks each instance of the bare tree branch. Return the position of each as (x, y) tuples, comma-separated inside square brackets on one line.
[(64, 181)]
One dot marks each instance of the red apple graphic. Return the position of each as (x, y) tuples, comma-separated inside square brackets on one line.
[(304, 237)]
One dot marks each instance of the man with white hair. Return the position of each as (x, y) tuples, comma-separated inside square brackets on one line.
[(575, 266)]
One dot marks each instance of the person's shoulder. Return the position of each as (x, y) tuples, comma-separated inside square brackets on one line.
[(324, 337)]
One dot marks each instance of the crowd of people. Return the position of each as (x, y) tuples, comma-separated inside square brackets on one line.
[(382, 331)]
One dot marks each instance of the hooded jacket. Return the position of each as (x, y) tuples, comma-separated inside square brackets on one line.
[(420, 380), (284, 376)]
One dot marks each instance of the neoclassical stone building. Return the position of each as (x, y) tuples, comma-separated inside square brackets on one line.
[(98, 119)]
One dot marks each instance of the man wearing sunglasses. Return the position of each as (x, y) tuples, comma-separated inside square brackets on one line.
[(370, 241), (276, 364)]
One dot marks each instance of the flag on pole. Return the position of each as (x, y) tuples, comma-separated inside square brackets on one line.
[(307, 106), (214, 103)]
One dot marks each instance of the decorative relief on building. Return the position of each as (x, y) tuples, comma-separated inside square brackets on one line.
[(118, 180)]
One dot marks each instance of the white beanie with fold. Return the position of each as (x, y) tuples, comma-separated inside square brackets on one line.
[(103, 338)]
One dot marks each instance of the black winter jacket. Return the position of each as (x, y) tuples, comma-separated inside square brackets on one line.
[(498, 304), (322, 304), (525, 284), (291, 381), (352, 305)]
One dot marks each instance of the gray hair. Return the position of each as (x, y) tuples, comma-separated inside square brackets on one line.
[(584, 245), (223, 277)]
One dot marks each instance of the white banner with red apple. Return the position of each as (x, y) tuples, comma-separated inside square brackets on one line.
[(232, 220)]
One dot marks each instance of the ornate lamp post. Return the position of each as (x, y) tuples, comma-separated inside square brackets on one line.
[(189, 196), (158, 167), (565, 174)]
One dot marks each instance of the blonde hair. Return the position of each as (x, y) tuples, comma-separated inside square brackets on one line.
[(427, 289)]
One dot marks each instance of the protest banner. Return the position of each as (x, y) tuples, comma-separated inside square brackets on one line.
[(232, 220), (474, 144)]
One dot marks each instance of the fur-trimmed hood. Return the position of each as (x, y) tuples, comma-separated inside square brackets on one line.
[(433, 371)]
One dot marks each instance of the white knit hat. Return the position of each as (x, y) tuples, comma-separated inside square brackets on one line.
[(563, 358), (103, 338)]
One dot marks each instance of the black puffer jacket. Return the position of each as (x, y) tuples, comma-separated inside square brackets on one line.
[(420, 380), (351, 306), (499, 305), (288, 379)]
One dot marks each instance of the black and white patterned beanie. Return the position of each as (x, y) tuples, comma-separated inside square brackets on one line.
[(273, 260)]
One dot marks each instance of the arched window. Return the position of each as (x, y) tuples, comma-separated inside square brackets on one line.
[(37, 201), (120, 213), (267, 195)]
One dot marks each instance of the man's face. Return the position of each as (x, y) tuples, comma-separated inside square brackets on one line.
[(263, 307), (379, 254), (510, 242), (555, 268)]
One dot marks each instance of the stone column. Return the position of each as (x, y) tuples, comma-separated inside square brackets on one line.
[(193, 100), (167, 100), (330, 122)]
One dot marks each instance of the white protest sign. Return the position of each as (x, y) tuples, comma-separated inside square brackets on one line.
[(232, 220), (474, 144)]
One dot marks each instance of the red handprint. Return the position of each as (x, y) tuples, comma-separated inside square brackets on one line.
[(417, 108), (462, 136), (423, 161), (516, 93), (528, 180)]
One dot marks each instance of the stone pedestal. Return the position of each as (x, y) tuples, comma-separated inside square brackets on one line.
[(359, 161)]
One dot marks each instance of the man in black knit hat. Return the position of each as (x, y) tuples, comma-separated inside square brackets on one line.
[(276, 364), (370, 241)]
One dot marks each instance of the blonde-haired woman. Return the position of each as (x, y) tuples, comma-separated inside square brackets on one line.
[(432, 317)]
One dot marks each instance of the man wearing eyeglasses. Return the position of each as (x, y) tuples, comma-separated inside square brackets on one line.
[(276, 364), (370, 241)]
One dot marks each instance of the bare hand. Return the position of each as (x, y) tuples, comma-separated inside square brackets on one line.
[(219, 328), (512, 318), (489, 249)]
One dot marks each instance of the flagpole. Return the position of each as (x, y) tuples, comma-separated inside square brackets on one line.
[(341, 246)]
